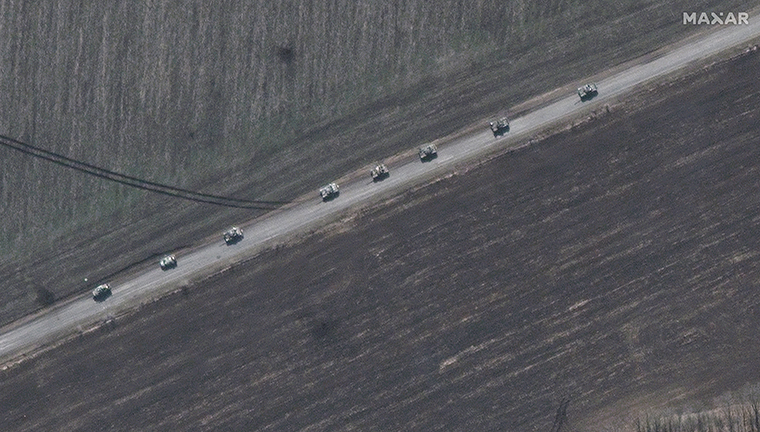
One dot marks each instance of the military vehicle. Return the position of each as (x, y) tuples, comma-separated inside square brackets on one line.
[(587, 92), (101, 293), (233, 235), (379, 172), (329, 191), (168, 262), (428, 152), (500, 127)]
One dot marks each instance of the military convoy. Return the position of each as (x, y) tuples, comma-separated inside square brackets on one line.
[(379, 172), (500, 127), (587, 92), (328, 192), (101, 293), (428, 152), (168, 262), (233, 235)]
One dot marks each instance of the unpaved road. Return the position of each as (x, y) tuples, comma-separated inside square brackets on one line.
[(21, 336), (614, 263)]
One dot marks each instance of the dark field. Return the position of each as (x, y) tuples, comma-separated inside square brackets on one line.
[(261, 100), (614, 264)]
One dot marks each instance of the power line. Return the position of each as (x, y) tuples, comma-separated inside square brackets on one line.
[(135, 182)]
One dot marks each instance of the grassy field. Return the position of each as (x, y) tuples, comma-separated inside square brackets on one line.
[(613, 265), (260, 100)]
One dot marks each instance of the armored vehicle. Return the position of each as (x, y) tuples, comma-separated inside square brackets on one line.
[(428, 152), (500, 127), (101, 293), (329, 191), (233, 235), (168, 262), (587, 92), (379, 172)]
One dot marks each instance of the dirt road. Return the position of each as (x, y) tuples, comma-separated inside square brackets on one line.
[(614, 264), (311, 212)]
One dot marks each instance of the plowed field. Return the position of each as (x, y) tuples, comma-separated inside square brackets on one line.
[(615, 264)]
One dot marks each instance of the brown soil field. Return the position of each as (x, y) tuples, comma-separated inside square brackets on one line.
[(613, 264), (255, 101)]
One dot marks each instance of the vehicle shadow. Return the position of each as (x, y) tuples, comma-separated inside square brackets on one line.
[(331, 197)]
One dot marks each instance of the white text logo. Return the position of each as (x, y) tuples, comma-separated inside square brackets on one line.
[(714, 18)]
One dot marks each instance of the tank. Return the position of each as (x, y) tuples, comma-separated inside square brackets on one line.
[(587, 92), (233, 235), (428, 152), (101, 293), (329, 191), (379, 172), (168, 262)]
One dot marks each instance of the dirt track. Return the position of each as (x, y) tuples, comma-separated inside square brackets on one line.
[(614, 264), (138, 229)]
